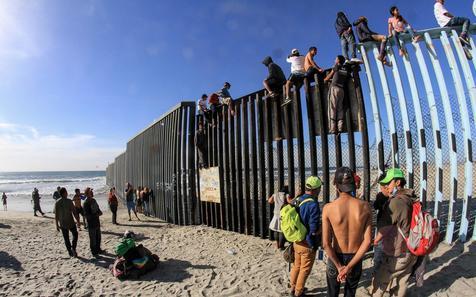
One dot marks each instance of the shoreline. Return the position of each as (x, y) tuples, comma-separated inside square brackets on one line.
[(194, 261)]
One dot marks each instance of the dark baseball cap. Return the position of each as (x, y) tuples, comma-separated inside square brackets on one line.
[(344, 179)]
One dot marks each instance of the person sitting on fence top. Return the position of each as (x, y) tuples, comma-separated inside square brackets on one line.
[(310, 66), (346, 235), (297, 72), (365, 35), (226, 99), (305, 251), (398, 25), (275, 80), (397, 262), (347, 38), (446, 19), (338, 75)]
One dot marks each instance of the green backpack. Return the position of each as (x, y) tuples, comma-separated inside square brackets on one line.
[(124, 246), (291, 224)]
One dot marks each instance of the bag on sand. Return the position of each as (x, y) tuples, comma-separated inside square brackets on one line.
[(291, 224), (424, 232), (124, 246)]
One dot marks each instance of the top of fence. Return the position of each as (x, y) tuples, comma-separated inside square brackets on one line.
[(178, 105)]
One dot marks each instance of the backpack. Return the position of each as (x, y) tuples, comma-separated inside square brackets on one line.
[(424, 232), (124, 246), (291, 225)]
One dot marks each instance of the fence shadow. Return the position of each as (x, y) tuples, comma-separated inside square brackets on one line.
[(172, 271), (10, 262)]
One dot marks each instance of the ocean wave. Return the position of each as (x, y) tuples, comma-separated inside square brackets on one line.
[(55, 180)]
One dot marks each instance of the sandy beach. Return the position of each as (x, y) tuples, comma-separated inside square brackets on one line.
[(195, 261)]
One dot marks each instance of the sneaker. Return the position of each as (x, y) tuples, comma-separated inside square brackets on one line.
[(464, 40), (416, 38), (286, 101), (75, 254)]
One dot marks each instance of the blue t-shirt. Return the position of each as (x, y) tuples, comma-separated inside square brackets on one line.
[(310, 214)]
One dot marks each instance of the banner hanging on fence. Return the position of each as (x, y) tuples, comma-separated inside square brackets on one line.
[(210, 185)]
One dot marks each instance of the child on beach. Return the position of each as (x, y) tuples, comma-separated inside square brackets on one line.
[(4, 200), (79, 209), (131, 205), (366, 35), (278, 199), (398, 25), (35, 198), (113, 203)]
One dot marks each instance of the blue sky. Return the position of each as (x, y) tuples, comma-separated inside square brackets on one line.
[(79, 78)]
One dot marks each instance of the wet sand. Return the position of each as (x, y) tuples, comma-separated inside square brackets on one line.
[(195, 261)]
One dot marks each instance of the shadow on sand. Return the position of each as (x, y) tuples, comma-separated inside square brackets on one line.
[(172, 271), (120, 235), (103, 261), (3, 226), (9, 262)]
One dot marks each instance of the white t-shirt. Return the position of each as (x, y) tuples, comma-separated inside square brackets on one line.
[(440, 16), (202, 104), (474, 7), (297, 64)]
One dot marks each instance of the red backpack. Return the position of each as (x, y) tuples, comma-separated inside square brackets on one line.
[(213, 99), (424, 232)]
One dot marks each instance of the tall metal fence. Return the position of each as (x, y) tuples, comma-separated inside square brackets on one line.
[(418, 114)]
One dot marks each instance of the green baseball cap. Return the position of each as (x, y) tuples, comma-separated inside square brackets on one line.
[(313, 182), (392, 174)]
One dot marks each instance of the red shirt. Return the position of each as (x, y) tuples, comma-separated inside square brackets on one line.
[(112, 199)]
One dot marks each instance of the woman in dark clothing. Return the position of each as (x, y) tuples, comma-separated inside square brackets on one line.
[(365, 35), (112, 201)]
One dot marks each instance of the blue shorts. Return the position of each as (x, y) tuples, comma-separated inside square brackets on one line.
[(131, 205)]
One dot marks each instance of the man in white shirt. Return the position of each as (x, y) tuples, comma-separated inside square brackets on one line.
[(297, 72), (446, 19), (203, 110)]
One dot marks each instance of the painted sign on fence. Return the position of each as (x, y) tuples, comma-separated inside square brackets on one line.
[(210, 185)]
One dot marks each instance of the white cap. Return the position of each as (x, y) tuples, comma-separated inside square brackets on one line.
[(295, 51)]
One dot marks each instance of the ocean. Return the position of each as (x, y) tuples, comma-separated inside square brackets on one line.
[(18, 187)]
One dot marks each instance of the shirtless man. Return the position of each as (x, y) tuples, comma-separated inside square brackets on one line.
[(78, 208), (346, 235)]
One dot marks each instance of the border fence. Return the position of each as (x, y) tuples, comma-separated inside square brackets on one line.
[(420, 116)]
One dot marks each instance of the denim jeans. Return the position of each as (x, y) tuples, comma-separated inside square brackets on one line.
[(396, 35), (351, 281), (347, 41), (459, 21)]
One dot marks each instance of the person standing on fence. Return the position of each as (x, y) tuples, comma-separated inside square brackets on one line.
[(305, 251), (278, 199), (310, 66), (446, 19), (275, 80), (131, 206), (346, 36), (4, 201), (35, 197), (346, 235), (366, 35), (226, 99), (92, 213), (113, 203), (202, 146), (203, 111), (397, 261), (338, 77), (64, 213), (297, 73), (398, 25)]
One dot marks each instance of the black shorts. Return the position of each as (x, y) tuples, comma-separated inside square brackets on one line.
[(296, 78), (275, 85)]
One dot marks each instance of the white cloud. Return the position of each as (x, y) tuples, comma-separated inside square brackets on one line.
[(24, 148)]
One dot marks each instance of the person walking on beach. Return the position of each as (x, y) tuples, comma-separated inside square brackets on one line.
[(131, 206), (64, 213), (113, 203), (56, 194), (92, 214), (305, 251), (4, 200), (78, 207), (346, 36), (397, 261), (338, 77), (275, 80), (278, 199), (145, 201), (346, 235), (446, 19), (35, 197)]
